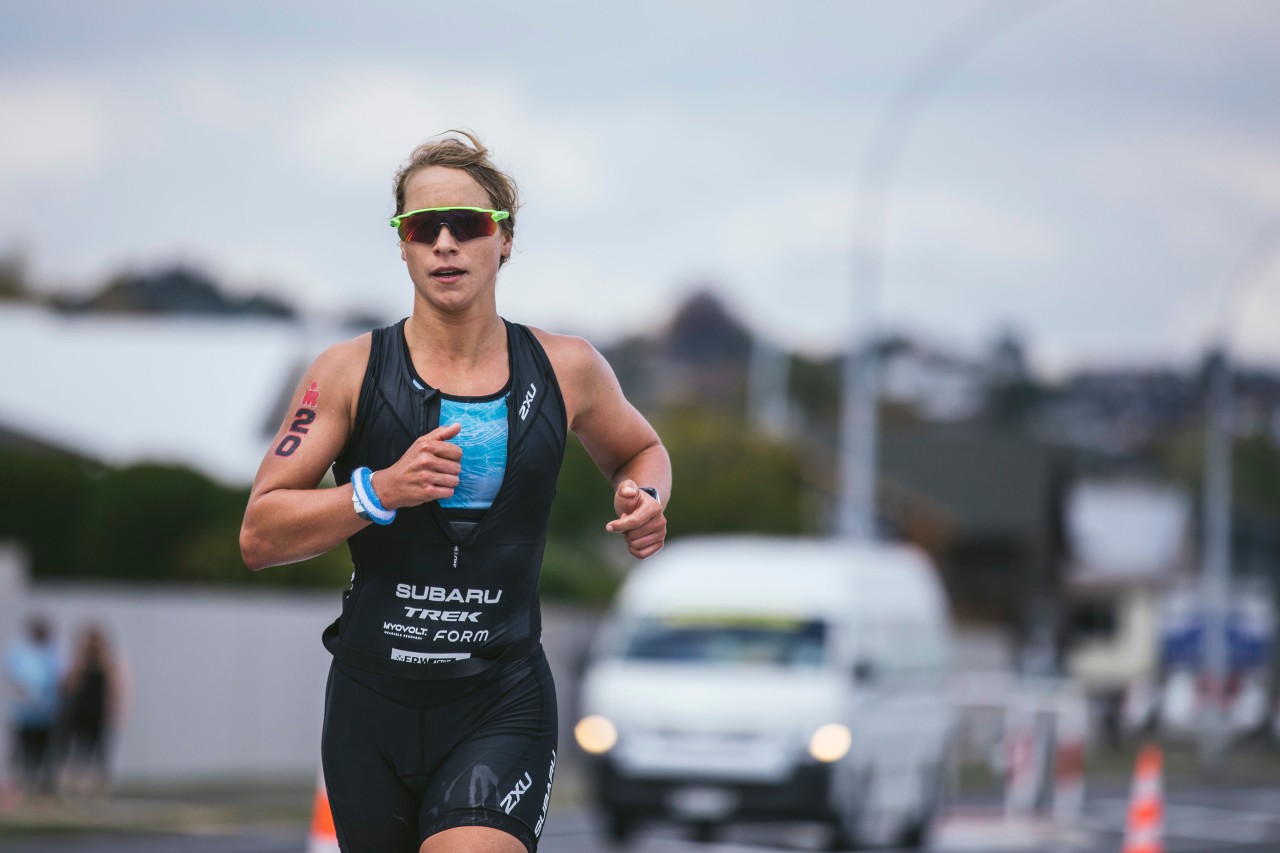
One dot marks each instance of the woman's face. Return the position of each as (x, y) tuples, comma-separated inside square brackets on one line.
[(450, 275)]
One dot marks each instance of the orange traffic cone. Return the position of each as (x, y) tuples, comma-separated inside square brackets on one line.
[(324, 838), (1146, 805)]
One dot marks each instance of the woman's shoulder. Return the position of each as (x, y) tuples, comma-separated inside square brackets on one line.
[(350, 348), (338, 370), (571, 356), (345, 356), (584, 376), (565, 347)]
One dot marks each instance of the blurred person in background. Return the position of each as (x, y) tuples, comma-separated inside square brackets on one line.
[(445, 432), (33, 673), (92, 701)]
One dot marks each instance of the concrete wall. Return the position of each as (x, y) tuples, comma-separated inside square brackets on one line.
[(228, 685)]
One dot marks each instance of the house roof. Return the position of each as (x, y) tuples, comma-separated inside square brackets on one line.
[(990, 483), (205, 393)]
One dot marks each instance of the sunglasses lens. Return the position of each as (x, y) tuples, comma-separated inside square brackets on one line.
[(464, 225)]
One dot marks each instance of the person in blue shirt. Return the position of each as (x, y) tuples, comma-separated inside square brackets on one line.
[(33, 675)]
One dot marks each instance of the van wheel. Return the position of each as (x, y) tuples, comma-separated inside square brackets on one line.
[(919, 829), (703, 832), (841, 840), (620, 827), (847, 832)]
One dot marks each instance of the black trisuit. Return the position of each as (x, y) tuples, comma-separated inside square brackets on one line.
[(440, 710)]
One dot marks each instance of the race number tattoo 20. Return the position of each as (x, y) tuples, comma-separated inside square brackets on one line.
[(301, 422)]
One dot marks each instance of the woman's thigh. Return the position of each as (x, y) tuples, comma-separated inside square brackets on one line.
[(398, 774), (500, 775), (374, 799)]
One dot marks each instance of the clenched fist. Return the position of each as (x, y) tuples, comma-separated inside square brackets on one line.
[(640, 520), (428, 471)]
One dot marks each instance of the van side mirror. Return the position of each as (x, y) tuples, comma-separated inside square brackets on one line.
[(864, 671)]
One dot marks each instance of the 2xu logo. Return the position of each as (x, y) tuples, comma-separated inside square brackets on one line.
[(528, 401), (302, 420), (511, 800)]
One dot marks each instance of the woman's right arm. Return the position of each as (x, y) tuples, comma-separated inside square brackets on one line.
[(288, 518)]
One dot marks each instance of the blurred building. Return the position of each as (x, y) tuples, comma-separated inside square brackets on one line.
[(699, 358), (986, 504), (207, 393), (939, 386), (1130, 542)]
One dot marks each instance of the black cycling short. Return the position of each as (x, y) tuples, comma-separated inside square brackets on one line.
[(404, 760)]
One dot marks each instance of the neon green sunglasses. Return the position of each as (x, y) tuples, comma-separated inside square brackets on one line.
[(465, 223)]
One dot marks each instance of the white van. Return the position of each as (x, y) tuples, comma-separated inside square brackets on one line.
[(753, 678)]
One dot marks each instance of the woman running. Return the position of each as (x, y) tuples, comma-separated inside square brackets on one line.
[(445, 432)]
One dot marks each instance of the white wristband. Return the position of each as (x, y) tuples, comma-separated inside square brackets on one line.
[(363, 497)]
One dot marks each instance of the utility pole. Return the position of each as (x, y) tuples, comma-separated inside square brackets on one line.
[(855, 512), (1215, 557), (1250, 270)]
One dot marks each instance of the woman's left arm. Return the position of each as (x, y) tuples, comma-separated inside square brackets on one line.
[(624, 446)]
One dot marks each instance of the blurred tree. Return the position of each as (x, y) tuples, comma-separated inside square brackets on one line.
[(584, 498), (1255, 467), (212, 555), (1013, 396), (576, 565), (704, 331), (1255, 510), (42, 507), (731, 480), (13, 278), (175, 290), (1257, 473), (139, 520), (165, 523), (77, 519), (815, 386), (574, 570)]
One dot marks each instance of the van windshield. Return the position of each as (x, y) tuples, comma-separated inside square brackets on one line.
[(727, 640)]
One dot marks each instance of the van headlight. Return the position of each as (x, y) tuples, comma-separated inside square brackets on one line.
[(830, 742), (595, 734)]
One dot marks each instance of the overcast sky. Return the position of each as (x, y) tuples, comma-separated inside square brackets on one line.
[(1087, 175)]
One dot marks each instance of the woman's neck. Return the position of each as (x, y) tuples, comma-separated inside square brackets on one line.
[(458, 355)]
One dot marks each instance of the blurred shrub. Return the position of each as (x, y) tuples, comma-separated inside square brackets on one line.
[(138, 520), (1255, 467), (171, 524), (574, 567), (573, 570), (584, 498), (1257, 472), (145, 522), (730, 480), (213, 556), (165, 523), (43, 505)]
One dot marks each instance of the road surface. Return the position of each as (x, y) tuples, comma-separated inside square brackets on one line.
[(1200, 820)]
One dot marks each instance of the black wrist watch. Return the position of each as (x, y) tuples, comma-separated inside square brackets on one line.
[(651, 492)]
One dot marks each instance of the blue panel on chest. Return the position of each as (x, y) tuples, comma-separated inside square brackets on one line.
[(483, 440)]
